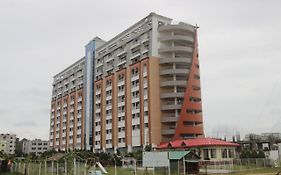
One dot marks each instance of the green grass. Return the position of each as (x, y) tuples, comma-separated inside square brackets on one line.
[(257, 171), (10, 173)]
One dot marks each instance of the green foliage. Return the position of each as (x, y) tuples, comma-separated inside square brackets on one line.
[(18, 148), (254, 154), (47, 154), (246, 154), (148, 148), (261, 154)]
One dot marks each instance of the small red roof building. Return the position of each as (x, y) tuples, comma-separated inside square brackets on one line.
[(198, 142)]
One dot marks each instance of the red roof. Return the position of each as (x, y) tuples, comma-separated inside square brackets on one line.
[(188, 143)]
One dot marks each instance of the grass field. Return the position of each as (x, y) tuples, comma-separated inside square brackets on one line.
[(262, 171)]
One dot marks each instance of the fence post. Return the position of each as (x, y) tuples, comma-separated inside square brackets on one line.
[(74, 166), (28, 168), (57, 167), (256, 163), (52, 167), (40, 168), (45, 167), (65, 166), (85, 171)]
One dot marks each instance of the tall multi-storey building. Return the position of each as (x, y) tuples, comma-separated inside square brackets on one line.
[(8, 143), (142, 87), (35, 146), (67, 116)]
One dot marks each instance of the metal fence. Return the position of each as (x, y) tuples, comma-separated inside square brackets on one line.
[(235, 165), (61, 167)]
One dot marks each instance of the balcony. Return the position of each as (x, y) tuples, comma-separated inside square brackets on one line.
[(170, 106), (171, 95), (79, 99), (98, 100), (120, 83), (121, 62), (98, 110), (169, 119), (176, 38), (179, 83), (144, 85), (174, 71), (135, 88), (121, 53), (109, 97), (144, 51), (98, 92), (108, 107), (175, 49), (145, 40), (121, 104), (135, 45), (109, 68), (168, 131), (99, 64), (109, 59), (175, 27), (79, 107), (135, 56), (120, 93)]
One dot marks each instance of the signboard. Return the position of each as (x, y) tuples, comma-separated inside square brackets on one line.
[(155, 159)]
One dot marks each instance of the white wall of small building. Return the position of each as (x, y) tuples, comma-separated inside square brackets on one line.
[(218, 152)]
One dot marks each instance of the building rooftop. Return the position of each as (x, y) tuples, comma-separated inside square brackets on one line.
[(198, 142)]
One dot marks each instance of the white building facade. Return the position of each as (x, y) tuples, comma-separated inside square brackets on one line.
[(10, 140)]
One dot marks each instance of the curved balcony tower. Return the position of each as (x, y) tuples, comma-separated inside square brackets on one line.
[(180, 90)]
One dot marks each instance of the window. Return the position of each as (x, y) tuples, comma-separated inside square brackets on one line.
[(213, 153), (206, 154), (144, 68), (194, 99), (230, 153), (193, 111), (224, 153)]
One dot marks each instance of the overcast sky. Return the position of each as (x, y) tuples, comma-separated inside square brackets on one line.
[(239, 45)]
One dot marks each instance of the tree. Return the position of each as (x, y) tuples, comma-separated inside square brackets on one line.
[(245, 154), (18, 148), (261, 154), (254, 154), (148, 148)]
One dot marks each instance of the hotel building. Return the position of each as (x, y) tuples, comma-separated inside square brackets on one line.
[(140, 88)]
